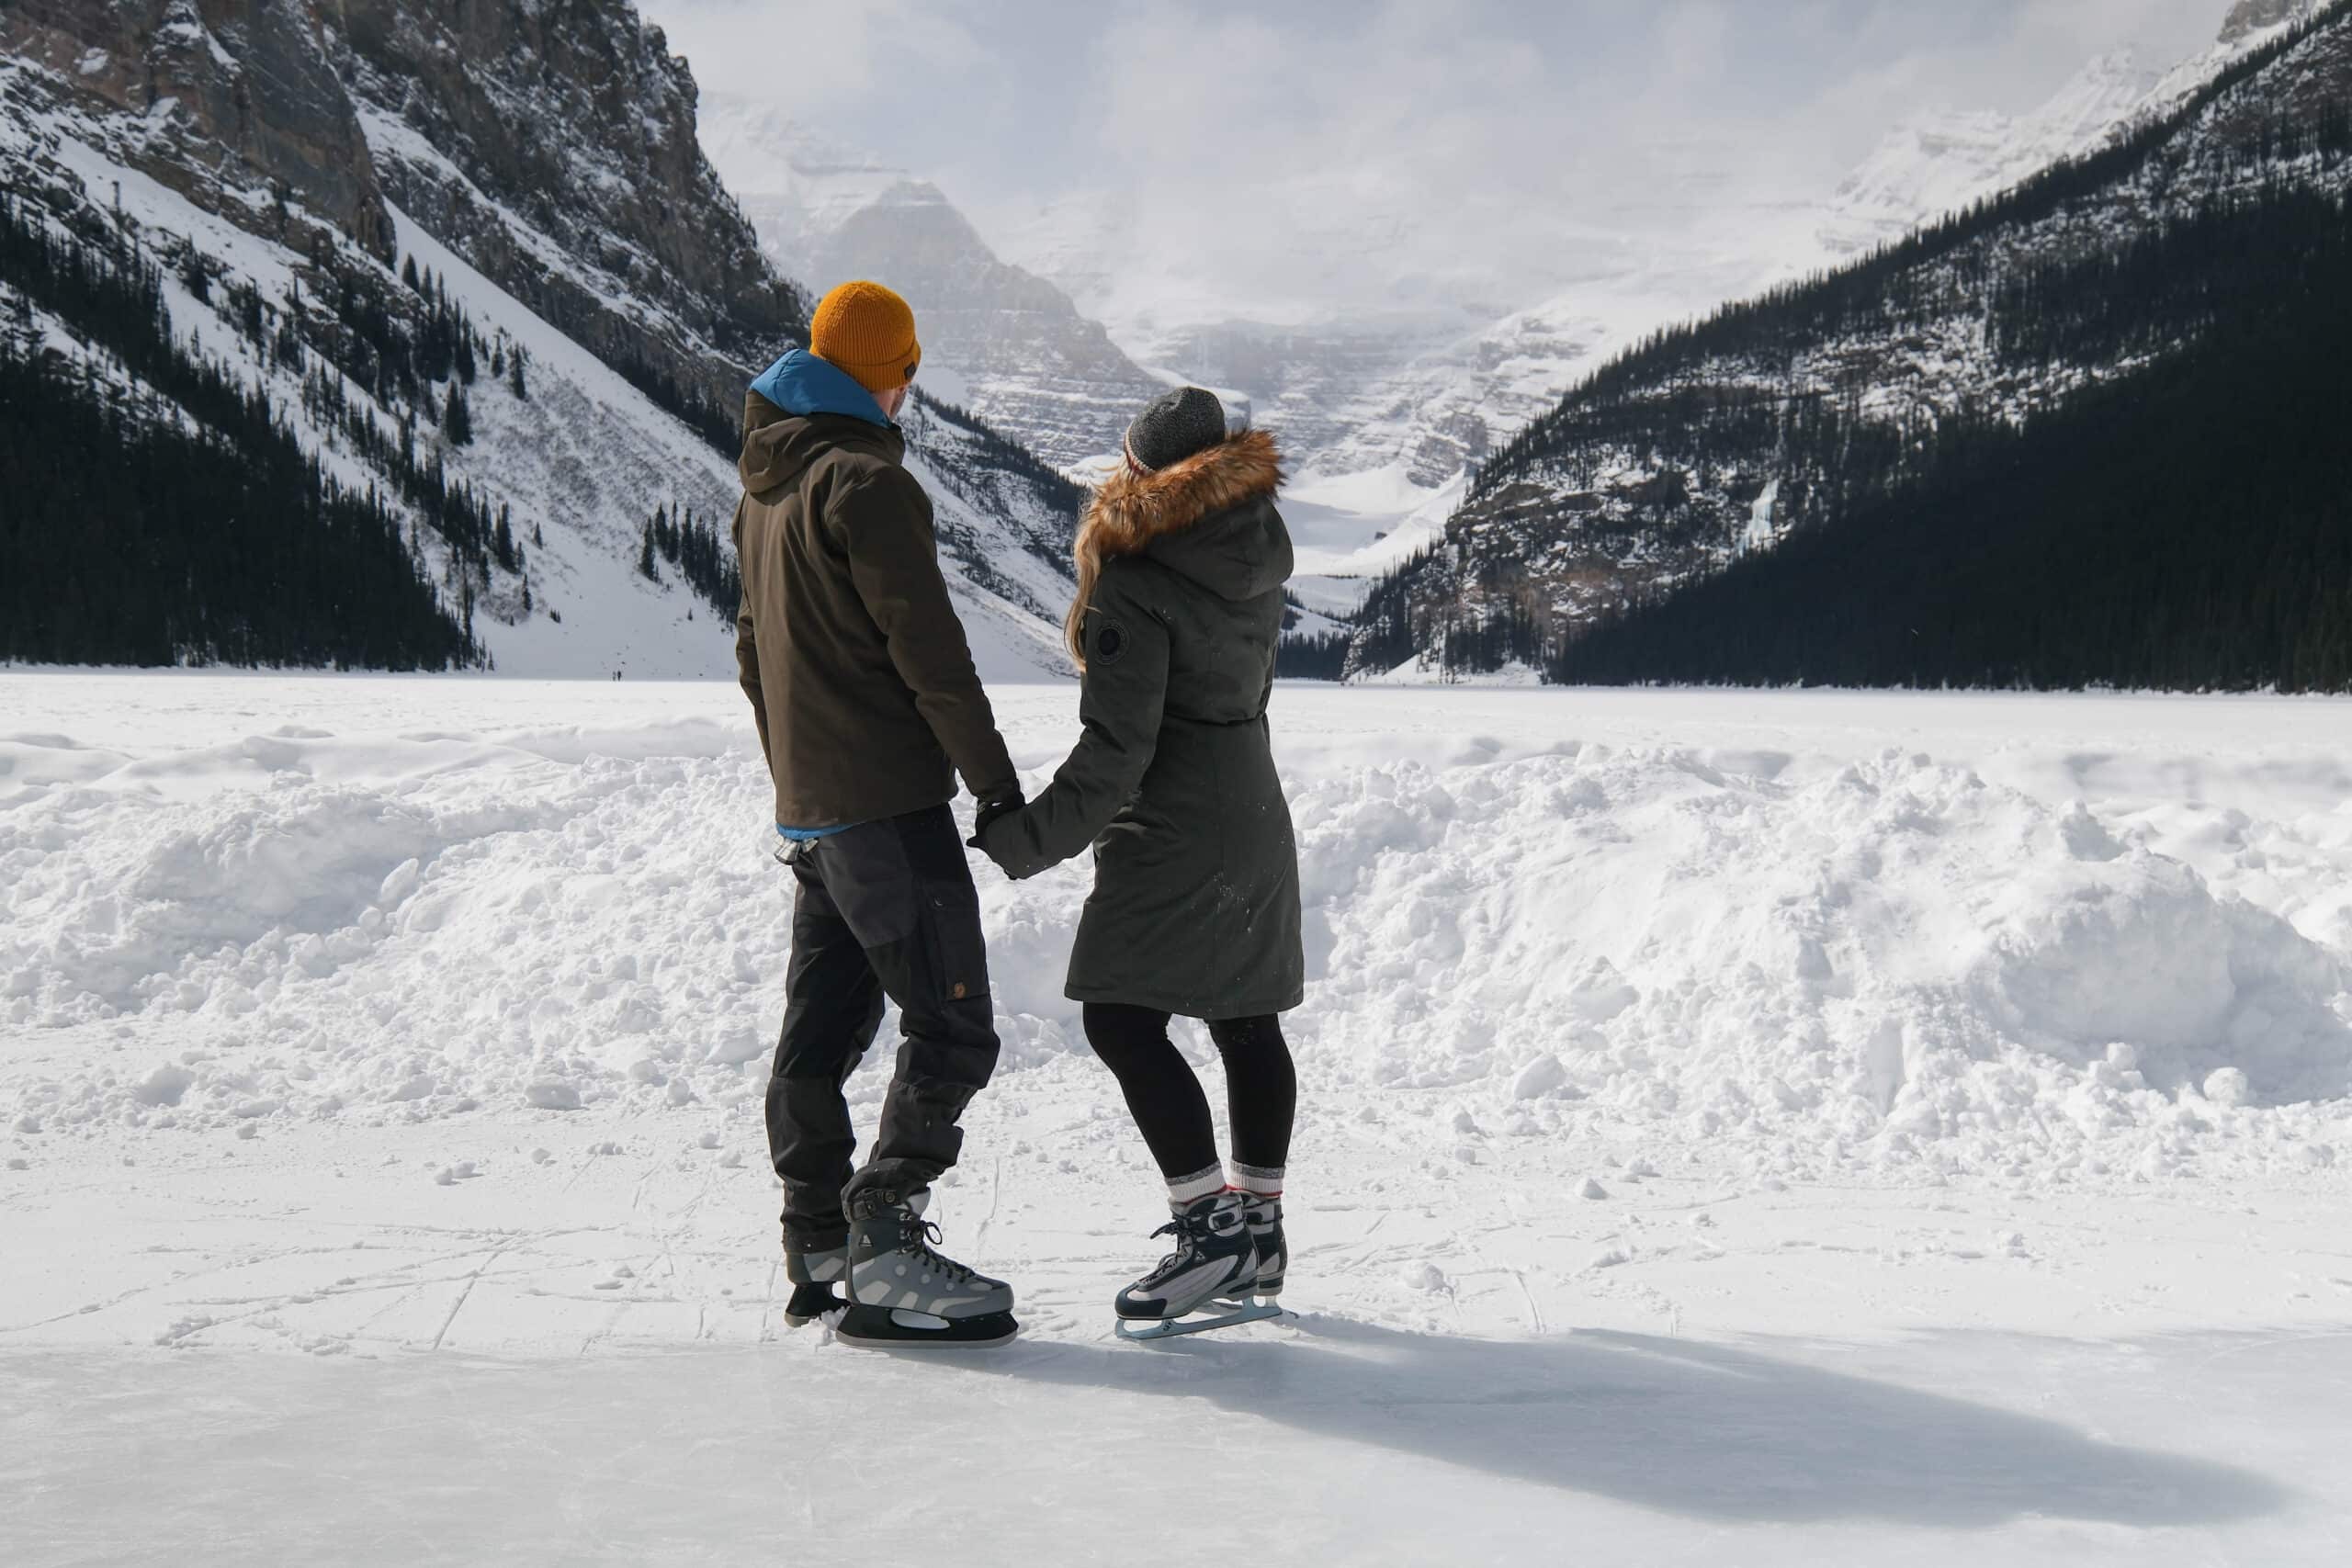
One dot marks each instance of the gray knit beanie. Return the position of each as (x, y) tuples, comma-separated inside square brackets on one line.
[(1176, 425)]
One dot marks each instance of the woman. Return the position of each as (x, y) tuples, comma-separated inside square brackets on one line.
[(1180, 561)]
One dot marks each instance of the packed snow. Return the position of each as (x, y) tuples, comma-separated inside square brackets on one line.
[(1885, 1126)]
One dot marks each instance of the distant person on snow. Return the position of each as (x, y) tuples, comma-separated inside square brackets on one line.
[(867, 706), (1181, 558)]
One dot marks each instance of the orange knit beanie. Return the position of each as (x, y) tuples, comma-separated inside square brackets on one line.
[(869, 331)]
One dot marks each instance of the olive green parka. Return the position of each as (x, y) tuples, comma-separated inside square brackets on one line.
[(1195, 906), (846, 642)]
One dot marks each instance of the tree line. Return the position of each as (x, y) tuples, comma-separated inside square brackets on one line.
[(2190, 529), (182, 522), (700, 554)]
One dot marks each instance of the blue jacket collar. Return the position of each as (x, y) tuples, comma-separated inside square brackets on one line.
[(800, 383)]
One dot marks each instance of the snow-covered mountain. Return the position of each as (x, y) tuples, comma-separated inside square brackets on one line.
[(1455, 403), (1004, 342), (370, 214), (1799, 405), (1941, 162)]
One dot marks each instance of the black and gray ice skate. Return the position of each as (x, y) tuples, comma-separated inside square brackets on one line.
[(814, 1276), (1265, 1217), (902, 1292), (1214, 1258)]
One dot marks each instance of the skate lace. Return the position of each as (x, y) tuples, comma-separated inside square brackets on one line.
[(927, 1235), (1186, 1229)]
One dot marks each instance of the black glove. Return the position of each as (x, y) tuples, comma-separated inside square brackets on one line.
[(990, 809)]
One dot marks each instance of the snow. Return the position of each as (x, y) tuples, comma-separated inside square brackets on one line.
[(1884, 1125), (1943, 161)]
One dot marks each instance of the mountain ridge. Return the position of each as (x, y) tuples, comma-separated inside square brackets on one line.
[(1793, 407)]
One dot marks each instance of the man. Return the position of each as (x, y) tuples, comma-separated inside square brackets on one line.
[(867, 706)]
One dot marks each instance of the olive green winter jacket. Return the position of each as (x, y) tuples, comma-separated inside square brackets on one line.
[(847, 644), (1195, 906)]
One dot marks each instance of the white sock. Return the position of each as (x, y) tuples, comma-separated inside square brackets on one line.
[(1185, 1191), (1258, 1181)]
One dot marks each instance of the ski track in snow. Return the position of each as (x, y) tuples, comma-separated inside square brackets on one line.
[(1717, 1109)]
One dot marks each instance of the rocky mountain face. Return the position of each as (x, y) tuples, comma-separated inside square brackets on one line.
[(1003, 343), (474, 261), (233, 104), (554, 146), (1803, 405)]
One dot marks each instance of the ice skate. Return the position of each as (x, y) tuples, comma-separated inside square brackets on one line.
[(1264, 1215), (1214, 1258), (904, 1294), (813, 1276)]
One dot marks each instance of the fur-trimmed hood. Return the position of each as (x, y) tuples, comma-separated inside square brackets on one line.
[(1244, 553)]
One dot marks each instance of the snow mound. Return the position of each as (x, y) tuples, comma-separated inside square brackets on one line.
[(1900, 955), (1888, 963)]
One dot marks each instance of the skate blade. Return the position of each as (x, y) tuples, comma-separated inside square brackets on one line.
[(1141, 1329), (871, 1328)]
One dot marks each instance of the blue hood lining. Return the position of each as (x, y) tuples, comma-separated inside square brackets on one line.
[(800, 383)]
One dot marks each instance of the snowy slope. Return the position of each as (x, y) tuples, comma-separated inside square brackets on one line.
[(582, 459), (590, 450), (1942, 162), (1799, 1128), (1946, 162)]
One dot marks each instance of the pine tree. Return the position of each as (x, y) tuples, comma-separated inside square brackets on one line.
[(457, 417), (538, 541), (408, 274), (645, 567), (515, 376), (503, 541)]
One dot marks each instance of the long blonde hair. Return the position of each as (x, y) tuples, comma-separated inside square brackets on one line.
[(1088, 556)]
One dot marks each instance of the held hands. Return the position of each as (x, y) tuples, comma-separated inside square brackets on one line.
[(993, 811)]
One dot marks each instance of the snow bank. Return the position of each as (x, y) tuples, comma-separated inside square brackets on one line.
[(1890, 962), (1900, 959)]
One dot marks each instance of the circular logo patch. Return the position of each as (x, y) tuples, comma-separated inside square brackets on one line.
[(1109, 642)]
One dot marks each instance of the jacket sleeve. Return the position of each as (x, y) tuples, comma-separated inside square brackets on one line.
[(747, 653), (883, 523), (1120, 706)]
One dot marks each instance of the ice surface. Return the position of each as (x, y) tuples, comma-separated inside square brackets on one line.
[(1359, 1445)]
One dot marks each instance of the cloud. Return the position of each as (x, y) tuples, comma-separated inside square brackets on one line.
[(1368, 156), (834, 65)]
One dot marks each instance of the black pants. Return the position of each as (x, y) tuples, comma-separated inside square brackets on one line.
[(885, 908), (1261, 1087)]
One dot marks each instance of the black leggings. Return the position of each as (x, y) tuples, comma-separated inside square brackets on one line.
[(1260, 1088)]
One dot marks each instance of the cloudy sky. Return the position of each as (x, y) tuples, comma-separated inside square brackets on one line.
[(1331, 149)]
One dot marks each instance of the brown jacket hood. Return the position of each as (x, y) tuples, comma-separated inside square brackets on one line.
[(779, 446), (1242, 551)]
